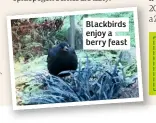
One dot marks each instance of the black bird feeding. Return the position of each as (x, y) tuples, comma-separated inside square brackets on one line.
[(61, 58)]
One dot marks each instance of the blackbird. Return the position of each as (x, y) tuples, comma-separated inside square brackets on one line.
[(61, 58)]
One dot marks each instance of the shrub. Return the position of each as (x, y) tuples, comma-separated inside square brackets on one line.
[(88, 83)]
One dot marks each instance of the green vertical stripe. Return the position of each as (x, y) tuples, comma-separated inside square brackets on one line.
[(152, 63)]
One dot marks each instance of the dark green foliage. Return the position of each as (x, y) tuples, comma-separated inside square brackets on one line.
[(102, 75), (89, 83)]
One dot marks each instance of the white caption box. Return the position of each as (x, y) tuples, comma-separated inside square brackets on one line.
[(99, 34)]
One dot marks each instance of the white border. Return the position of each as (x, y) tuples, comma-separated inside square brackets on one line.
[(140, 98)]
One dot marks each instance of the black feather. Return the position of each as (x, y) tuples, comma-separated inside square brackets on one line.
[(61, 60)]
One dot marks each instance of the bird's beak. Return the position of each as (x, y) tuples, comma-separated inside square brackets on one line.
[(65, 48)]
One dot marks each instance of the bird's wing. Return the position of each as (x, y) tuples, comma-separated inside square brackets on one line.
[(52, 52)]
